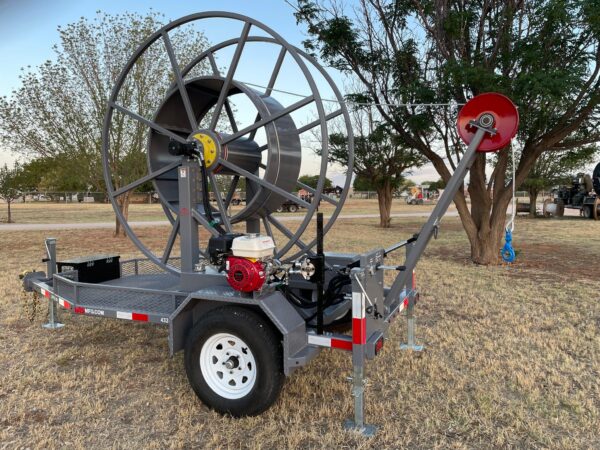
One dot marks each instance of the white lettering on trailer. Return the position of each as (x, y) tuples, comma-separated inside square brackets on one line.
[(164, 319), (95, 312)]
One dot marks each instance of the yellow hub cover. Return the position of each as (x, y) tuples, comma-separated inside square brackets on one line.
[(210, 148)]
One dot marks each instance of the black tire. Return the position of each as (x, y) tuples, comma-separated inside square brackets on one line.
[(587, 212), (293, 208), (235, 202), (280, 209), (264, 345)]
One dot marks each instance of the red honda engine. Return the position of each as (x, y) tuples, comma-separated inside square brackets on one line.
[(244, 274)]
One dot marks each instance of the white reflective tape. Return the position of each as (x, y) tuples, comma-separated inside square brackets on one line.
[(61, 302), (124, 315), (321, 341), (358, 305)]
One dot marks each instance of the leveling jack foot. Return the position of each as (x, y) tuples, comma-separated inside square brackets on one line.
[(53, 325), (413, 347), (365, 430)]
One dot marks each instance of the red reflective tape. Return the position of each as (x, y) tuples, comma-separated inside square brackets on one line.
[(79, 310), (140, 317), (341, 344), (359, 331), (67, 304), (46, 293), (405, 303)]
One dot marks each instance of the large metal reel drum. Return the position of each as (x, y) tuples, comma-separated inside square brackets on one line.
[(191, 110)]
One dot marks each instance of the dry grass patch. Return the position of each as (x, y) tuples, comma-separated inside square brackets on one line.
[(512, 359)]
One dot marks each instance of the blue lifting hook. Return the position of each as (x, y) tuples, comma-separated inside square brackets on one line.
[(507, 252)]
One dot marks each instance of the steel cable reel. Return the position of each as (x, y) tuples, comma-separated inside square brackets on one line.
[(270, 170)]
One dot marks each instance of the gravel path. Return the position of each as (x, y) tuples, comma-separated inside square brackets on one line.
[(158, 223)]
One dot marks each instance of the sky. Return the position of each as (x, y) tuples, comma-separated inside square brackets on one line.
[(28, 30)]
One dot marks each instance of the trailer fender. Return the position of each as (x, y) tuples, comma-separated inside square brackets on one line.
[(273, 306)]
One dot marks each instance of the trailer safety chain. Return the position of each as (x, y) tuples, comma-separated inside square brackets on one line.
[(363, 289), (30, 306)]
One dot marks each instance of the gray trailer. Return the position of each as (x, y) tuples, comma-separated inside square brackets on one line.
[(249, 307)]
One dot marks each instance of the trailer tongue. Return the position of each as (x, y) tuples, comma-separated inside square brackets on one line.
[(250, 307)]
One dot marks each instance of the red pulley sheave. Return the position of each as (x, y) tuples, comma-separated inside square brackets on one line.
[(505, 115)]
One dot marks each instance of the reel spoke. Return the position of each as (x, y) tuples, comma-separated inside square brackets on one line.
[(222, 209), (180, 84), (156, 127), (289, 234), (228, 109), (325, 197), (148, 177), (170, 242), (264, 183), (269, 119), (234, 62), (315, 123), (231, 192), (202, 221), (271, 84)]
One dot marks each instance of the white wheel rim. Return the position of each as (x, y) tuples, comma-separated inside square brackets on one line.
[(228, 365)]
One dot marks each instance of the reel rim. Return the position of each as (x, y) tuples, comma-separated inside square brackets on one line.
[(302, 60)]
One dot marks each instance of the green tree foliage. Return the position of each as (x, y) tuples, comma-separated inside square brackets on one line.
[(57, 112), (362, 184), (10, 186), (435, 185), (543, 54), (553, 168), (312, 180)]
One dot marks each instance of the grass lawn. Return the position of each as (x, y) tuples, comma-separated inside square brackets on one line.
[(46, 212), (512, 354)]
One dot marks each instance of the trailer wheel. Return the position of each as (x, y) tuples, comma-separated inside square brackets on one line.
[(233, 361), (587, 212), (293, 208)]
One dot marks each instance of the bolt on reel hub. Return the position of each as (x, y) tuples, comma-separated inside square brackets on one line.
[(197, 112)]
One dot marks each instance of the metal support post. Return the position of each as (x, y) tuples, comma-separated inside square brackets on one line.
[(410, 311), (359, 340), (53, 316), (188, 191)]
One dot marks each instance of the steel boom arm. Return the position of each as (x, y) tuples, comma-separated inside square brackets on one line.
[(440, 209)]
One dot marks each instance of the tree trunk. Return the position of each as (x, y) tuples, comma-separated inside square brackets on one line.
[(9, 212), (384, 198), (533, 195), (123, 204)]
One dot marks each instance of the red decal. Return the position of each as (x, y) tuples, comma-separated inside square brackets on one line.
[(46, 293), (359, 331), (184, 212), (140, 317), (79, 310), (341, 344), (405, 302)]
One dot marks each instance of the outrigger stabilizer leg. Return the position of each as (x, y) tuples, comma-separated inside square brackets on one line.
[(53, 319)]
